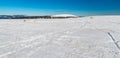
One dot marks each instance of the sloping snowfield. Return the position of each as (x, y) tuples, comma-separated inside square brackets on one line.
[(87, 37)]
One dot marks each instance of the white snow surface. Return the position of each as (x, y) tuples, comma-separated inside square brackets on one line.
[(87, 37)]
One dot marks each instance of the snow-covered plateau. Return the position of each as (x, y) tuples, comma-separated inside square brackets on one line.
[(86, 37)]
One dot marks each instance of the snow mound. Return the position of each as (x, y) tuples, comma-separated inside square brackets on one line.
[(64, 15)]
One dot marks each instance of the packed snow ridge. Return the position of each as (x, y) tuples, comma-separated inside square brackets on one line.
[(86, 37)]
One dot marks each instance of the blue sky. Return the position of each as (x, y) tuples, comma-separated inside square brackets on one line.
[(49, 7)]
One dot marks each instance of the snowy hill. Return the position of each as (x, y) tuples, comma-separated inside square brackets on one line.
[(87, 37), (64, 15)]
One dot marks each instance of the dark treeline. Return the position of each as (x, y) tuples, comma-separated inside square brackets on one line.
[(29, 17)]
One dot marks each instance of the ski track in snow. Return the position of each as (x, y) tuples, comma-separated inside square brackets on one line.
[(114, 40)]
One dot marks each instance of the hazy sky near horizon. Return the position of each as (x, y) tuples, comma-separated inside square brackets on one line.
[(48, 7)]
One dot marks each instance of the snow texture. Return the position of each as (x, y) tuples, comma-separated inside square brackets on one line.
[(87, 37)]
